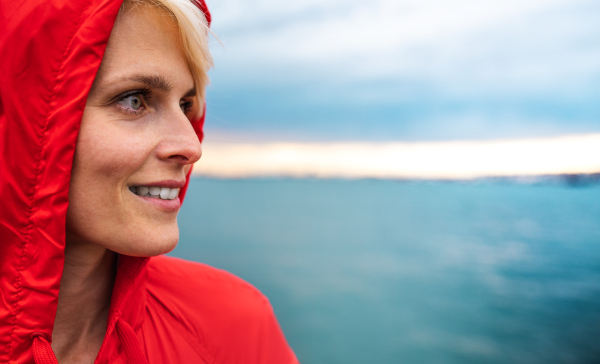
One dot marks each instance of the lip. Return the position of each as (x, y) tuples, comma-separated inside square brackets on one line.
[(170, 183), (165, 205)]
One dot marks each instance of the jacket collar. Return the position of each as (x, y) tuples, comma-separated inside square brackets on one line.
[(129, 292), (128, 302)]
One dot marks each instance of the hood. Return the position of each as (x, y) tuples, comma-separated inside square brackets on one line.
[(50, 52)]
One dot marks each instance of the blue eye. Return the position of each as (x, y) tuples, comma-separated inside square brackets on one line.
[(131, 102)]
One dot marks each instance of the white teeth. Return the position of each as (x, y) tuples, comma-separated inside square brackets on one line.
[(174, 193), (142, 191), (163, 193)]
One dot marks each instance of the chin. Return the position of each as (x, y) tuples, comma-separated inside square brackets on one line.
[(148, 243)]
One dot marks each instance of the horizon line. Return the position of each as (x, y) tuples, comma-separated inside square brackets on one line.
[(432, 160)]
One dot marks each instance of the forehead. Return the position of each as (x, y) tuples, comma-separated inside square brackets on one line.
[(145, 39)]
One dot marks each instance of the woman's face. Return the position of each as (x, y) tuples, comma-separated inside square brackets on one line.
[(135, 138)]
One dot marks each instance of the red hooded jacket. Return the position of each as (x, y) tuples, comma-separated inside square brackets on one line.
[(163, 310)]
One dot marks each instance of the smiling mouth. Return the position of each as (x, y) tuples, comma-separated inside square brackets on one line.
[(162, 193)]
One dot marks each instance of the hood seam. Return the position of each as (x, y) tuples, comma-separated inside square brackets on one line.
[(35, 189)]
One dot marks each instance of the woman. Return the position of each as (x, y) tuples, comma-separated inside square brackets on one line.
[(101, 119)]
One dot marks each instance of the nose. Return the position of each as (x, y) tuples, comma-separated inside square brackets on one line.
[(179, 142)]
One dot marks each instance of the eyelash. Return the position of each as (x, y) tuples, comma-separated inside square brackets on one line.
[(145, 94), (186, 106)]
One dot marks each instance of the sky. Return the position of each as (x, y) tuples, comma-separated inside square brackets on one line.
[(404, 70)]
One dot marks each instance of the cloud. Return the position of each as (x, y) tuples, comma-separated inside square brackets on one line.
[(508, 44), (406, 69)]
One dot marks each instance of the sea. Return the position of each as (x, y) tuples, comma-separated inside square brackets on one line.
[(380, 271)]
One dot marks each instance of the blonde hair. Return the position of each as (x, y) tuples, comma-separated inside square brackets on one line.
[(193, 29)]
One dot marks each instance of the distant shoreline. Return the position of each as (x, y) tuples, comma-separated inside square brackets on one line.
[(572, 179)]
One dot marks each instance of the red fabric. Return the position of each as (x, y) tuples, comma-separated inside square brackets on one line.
[(179, 312), (134, 352), (42, 351)]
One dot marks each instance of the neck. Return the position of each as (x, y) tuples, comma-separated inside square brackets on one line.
[(83, 302)]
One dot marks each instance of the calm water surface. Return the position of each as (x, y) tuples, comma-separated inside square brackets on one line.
[(397, 272)]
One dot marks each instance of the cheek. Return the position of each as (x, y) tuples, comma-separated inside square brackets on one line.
[(105, 158), (102, 210), (111, 153)]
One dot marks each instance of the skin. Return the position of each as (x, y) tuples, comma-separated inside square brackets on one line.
[(127, 138)]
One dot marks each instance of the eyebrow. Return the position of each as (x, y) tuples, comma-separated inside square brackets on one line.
[(190, 93), (156, 82)]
